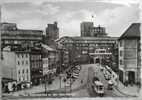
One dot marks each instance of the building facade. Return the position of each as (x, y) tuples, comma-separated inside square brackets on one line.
[(23, 66), (50, 59), (17, 65), (78, 46), (130, 54), (85, 28), (98, 32), (36, 66), (52, 33), (88, 30), (11, 35)]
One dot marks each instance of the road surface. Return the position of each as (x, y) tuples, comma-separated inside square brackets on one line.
[(80, 89)]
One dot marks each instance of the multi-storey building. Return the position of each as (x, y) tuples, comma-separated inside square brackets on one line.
[(98, 32), (85, 28), (17, 65), (88, 30), (24, 65), (11, 35), (52, 33), (130, 54), (50, 59), (36, 66), (77, 46)]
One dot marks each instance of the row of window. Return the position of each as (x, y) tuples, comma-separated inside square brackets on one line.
[(22, 55), (96, 30), (36, 64), (24, 78), (26, 56), (45, 61), (23, 62), (91, 44), (121, 62), (35, 57), (23, 71)]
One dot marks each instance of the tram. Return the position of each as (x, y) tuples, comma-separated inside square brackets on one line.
[(98, 86)]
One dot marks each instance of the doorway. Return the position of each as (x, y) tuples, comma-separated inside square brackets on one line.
[(131, 77), (97, 60)]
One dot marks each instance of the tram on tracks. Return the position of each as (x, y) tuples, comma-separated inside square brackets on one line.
[(95, 83)]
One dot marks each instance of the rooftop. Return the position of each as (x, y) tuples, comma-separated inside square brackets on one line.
[(21, 31), (94, 38), (47, 47), (11, 28), (133, 31)]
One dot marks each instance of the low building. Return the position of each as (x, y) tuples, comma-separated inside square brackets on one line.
[(130, 54)]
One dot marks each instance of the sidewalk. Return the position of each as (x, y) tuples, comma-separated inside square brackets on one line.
[(40, 88), (129, 90)]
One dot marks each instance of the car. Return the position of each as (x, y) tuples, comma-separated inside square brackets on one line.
[(78, 67), (76, 71), (107, 77), (110, 85), (75, 74), (95, 79)]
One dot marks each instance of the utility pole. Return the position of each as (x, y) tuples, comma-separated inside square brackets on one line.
[(45, 79)]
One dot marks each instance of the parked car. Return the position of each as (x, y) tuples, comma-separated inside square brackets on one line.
[(107, 77)]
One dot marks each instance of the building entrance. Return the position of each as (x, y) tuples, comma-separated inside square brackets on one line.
[(97, 60), (121, 76), (131, 77)]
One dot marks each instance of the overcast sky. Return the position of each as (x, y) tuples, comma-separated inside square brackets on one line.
[(115, 15)]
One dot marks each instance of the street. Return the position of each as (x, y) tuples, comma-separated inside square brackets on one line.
[(78, 88)]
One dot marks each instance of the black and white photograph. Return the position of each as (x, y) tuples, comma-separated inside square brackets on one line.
[(70, 49)]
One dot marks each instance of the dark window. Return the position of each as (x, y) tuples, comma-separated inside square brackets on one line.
[(27, 70), (23, 78), (19, 71), (23, 71), (121, 63), (120, 43), (18, 62)]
